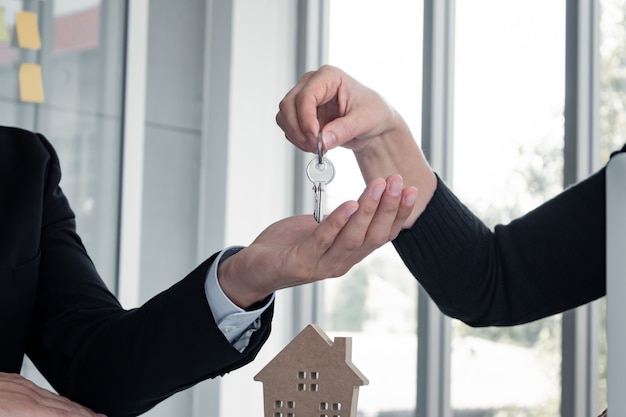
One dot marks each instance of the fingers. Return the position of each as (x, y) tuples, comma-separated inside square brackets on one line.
[(325, 235), (330, 101), (317, 99), (391, 213), (297, 117), (383, 208), (20, 397)]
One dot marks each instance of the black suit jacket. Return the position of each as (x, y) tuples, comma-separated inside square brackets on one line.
[(56, 309)]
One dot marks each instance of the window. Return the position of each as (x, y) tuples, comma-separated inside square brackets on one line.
[(81, 59), (612, 86), (507, 159), (376, 302), (509, 94)]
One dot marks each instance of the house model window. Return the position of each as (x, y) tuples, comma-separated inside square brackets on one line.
[(312, 376)]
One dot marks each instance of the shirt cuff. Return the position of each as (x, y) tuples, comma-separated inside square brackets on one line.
[(236, 324)]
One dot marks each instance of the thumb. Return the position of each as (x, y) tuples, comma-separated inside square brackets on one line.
[(340, 131)]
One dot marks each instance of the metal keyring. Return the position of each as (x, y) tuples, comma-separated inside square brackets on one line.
[(320, 148)]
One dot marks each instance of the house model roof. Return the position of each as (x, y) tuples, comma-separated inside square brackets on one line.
[(312, 377)]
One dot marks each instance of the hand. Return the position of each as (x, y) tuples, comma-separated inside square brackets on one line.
[(20, 397), (297, 250), (351, 115), (330, 101)]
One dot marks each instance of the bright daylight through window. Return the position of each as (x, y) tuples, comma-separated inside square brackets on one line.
[(376, 303), (509, 81)]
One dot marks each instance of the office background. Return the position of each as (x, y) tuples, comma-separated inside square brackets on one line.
[(163, 115)]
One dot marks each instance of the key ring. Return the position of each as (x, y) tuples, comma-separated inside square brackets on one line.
[(320, 148)]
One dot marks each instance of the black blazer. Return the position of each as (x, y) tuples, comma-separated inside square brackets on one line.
[(55, 308)]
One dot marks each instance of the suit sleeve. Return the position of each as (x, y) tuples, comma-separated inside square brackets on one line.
[(114, 361), (548, 261)]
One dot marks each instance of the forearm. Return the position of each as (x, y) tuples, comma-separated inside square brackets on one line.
[(96, 353), (123, 363), (548, 261)]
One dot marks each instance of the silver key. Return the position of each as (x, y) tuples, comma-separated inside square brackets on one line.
[(320, 172)]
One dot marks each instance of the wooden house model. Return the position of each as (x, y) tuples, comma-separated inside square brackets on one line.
[(312, 377)]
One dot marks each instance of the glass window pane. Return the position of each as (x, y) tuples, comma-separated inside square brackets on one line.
[(379, 44), (81, 58), (81, 62), (508, 142), (612, 76)]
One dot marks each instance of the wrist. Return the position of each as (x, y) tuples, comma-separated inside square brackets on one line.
[(395, 151), (235, 280), (387, 153)]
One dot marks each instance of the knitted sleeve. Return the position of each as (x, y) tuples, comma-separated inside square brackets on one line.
[(548, 261)]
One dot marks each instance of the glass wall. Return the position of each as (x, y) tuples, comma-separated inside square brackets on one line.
[(81, 60), (508, 158), (612, 76), (379, 44), (508, 124), (79, 108)]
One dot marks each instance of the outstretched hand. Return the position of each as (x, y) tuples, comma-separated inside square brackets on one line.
[(20, 397), (297, 250)]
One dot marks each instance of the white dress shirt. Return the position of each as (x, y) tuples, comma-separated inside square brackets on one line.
[(236, 323)]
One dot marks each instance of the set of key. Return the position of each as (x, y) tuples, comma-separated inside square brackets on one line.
[(320, 172)]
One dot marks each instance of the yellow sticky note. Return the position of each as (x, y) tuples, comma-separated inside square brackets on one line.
[(31, 83), (27, 30), (4, 31)]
